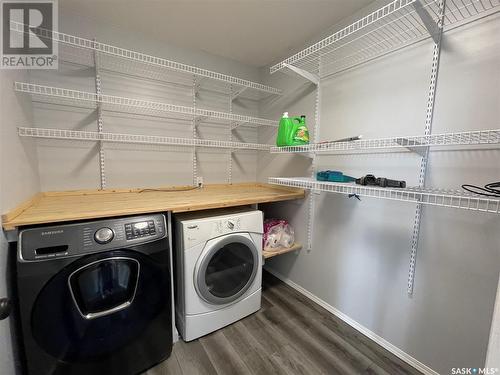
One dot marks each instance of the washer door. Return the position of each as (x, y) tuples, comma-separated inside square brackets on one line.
[(102, 304), (226, 269), (105, 286)]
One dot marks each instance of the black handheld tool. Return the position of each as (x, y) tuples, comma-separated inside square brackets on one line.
[(371, 180)]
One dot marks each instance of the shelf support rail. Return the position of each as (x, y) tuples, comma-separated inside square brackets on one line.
[(317, 109), (195, 121), (232, 96), (98, 90), (425, 159)]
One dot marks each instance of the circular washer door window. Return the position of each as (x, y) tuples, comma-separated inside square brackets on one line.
[(227, 269)]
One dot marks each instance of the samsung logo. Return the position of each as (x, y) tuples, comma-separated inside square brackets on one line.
[(51, 232)]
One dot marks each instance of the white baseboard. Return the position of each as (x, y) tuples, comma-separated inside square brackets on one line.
[(365, 331)]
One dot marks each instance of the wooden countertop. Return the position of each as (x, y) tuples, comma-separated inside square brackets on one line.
[(51, 207)]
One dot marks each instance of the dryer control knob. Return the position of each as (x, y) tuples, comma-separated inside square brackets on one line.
[(104, 235), (230, 224)]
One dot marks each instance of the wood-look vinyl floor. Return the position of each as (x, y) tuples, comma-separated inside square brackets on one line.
[(290, 334)]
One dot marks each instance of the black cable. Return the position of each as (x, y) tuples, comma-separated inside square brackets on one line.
[(489, 190), (170, 190)]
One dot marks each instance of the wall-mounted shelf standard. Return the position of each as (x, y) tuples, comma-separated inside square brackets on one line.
[(124, 104), (389, 28), (136, 138), (432, 197), (468, 138), (149, 60)]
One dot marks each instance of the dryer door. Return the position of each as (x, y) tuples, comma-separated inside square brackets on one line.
[(226, 268)]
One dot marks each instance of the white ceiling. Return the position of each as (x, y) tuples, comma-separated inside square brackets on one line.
[(254, 32)]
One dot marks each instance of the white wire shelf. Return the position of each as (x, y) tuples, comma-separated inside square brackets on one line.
[(125, 104), (432, 197), (389, 28), (79, 135), (153, 61), (471, 138)]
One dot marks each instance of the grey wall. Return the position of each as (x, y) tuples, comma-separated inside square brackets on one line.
[(493, 355), (67, 165), (359, 260), (18, 181)]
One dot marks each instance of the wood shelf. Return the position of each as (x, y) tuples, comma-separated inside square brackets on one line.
[(269, 254), (51, 207)]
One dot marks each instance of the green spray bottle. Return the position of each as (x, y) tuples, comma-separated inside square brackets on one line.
[(292, 131)]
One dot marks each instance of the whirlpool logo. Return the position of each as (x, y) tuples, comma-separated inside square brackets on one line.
[(475, 371), (27, 34)]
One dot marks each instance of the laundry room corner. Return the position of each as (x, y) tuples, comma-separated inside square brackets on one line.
[(250, 187), (364, 263)]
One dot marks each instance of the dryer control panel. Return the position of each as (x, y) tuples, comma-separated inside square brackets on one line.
[(199, 229), (76, 239), (227, 225)]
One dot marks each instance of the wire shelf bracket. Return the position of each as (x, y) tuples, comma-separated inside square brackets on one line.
[(235, 94), (427, 20), (304, 73), (416, 148)]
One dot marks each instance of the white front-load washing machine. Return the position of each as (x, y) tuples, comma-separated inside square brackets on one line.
[(218, 269)]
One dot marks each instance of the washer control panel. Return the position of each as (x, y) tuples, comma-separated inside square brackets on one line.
[(75, 239), (140, 229)]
